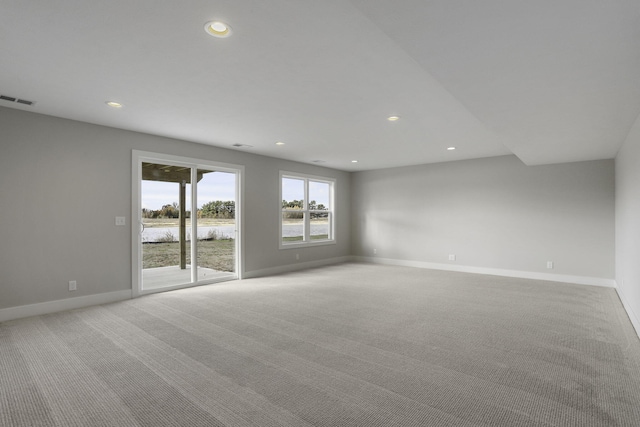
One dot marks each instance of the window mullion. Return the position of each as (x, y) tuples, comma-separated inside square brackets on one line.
[(307, 222)]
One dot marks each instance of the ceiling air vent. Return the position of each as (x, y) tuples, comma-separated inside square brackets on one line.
[(14, 99)]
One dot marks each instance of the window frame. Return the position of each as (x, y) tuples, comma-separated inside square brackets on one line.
[(306, 238)]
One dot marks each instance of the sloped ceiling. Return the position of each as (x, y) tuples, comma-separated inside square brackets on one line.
[(549, 81)]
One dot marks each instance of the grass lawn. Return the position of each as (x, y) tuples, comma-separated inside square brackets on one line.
[(216, 254)]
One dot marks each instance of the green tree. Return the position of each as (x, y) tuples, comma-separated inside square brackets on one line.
[(218, 209)]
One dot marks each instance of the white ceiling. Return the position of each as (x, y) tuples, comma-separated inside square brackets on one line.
[(549, 81)]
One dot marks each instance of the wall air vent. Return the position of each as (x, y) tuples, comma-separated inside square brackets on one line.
[(17, 100)]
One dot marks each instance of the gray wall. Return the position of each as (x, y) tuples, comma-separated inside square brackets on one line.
[(63, 182), (491, 213), (628, 223)]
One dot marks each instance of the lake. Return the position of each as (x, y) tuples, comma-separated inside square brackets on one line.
[(155, 234)]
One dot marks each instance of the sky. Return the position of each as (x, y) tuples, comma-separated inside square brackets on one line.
[(212, 186), (293, 189), (221, 186)]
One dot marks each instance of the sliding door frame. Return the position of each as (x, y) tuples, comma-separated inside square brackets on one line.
[(139, 157)]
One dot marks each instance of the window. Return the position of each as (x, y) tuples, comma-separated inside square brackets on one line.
[(307, 216)]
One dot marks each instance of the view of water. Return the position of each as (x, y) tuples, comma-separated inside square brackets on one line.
[(160, 233), (156, 234)]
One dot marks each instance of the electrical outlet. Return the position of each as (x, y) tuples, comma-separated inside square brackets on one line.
[(73, 285), (375, 251), (120, 220), (452, 257), (549, 264)]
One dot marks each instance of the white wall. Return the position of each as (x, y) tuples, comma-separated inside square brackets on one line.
[(495, 214), (628, 224), (63, 182)]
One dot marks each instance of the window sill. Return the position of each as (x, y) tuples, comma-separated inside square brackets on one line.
[(293, 245)]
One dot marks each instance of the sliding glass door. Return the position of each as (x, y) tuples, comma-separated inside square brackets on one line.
[(188, 225), (216, 224)]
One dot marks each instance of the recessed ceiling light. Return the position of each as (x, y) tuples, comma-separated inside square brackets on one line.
[(217, 29), (279, 143), (113, 104), (354, 161), (451, 148), (393, 118)]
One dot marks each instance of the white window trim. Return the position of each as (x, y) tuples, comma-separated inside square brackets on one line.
[(332, 212)]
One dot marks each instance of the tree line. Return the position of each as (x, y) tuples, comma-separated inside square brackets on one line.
[(225, 209), (298, 204)]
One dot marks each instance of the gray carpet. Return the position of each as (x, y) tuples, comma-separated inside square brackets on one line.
[(346, 345)]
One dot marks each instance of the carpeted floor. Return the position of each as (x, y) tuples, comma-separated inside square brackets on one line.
[(346, 345)]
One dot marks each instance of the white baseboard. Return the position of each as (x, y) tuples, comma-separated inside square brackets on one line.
[(295, 267), (592, 281), (104, 298), (12, 313), (635, 320), (19, 312)]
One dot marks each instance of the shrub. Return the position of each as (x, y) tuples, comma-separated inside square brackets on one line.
[(167, 238)]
